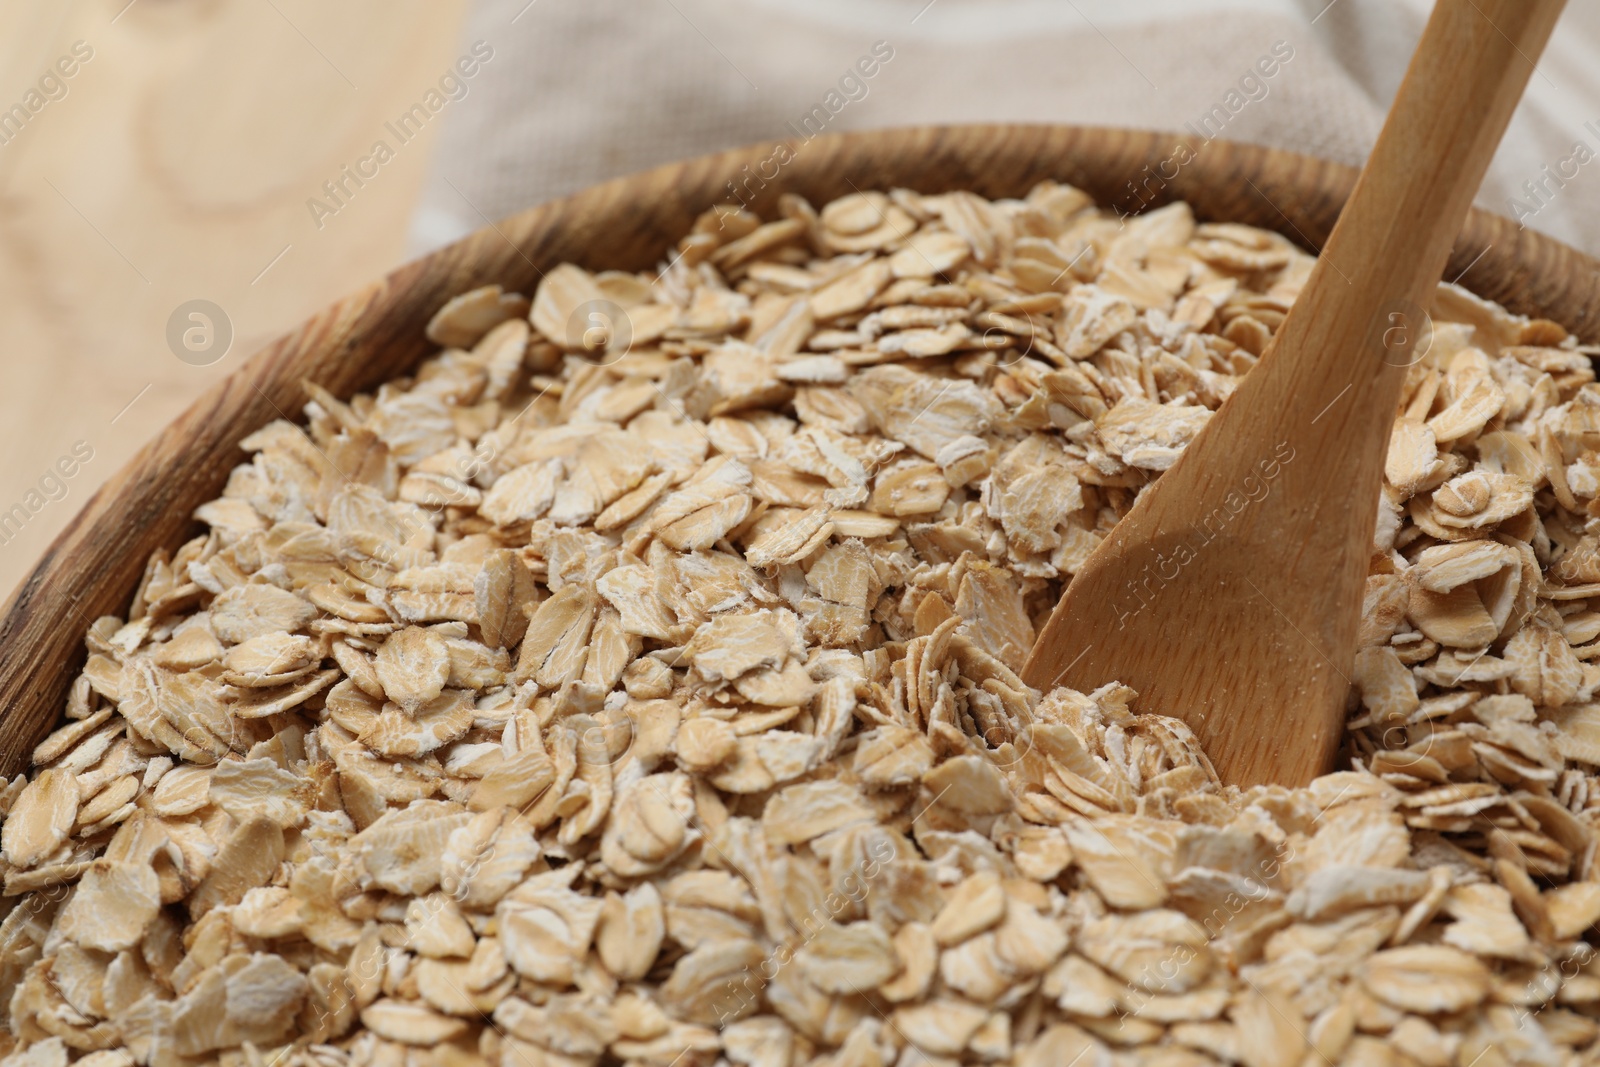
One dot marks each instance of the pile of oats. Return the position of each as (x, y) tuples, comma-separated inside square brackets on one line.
[(637, 683)]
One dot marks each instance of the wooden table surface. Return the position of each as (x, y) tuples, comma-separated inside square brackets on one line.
[(174, 164)]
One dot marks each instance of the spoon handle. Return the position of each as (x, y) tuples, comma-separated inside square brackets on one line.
[(1361, 310)]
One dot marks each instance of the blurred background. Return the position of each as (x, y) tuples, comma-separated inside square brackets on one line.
[(267, 156)]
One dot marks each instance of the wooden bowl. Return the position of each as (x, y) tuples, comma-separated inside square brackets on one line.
[(94, 566)]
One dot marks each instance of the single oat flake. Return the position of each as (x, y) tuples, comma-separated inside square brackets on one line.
[(636, 682)]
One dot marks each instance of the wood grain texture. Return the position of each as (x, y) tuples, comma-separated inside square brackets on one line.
[(1230, 595), (93, 567), (176, 166)]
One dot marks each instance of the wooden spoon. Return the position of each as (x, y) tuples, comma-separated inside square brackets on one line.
[(1230, 595)]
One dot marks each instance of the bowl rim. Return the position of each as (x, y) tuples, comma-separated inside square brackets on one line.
[(93, 566)]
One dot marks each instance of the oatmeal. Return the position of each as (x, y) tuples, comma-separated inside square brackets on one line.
[(637, 683)]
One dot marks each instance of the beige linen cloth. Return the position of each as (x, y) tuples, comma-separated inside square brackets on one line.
[(579, 91)]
